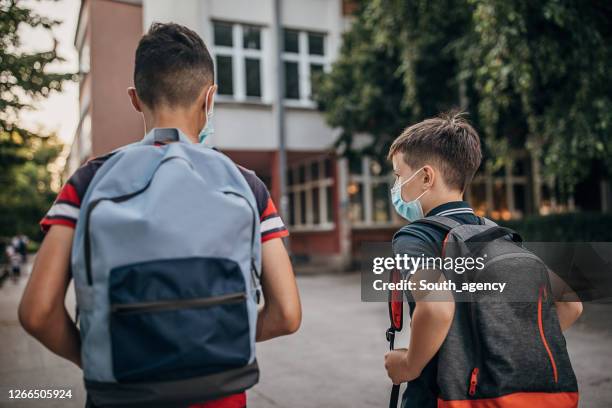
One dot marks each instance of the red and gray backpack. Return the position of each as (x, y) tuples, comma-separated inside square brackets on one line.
[(502, 351)]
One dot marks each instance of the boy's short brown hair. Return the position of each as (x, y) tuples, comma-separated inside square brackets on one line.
[(447, 140), (172, 66)]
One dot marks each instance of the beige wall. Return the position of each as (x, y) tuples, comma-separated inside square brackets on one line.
[(115, 30)]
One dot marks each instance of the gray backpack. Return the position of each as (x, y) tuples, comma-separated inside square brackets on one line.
[(502, 350), (165, 260)]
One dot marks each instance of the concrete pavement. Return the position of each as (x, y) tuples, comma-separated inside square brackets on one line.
[(335, 360)]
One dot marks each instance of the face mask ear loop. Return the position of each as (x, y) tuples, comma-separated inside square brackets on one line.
[(408, 179), (209, 112), (424, 192)]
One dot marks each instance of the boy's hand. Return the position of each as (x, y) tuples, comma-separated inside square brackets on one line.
[(398, 367)]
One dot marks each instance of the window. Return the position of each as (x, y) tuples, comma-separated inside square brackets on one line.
[(315, 44), (369, 194), (224, 75), (311, 195), (504, 193), (304, 57), (292, 81), (291, 41), (316, 70), (223, 34), (253, 77), (238, 58)]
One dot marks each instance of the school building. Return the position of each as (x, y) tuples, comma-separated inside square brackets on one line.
[(332, 205)]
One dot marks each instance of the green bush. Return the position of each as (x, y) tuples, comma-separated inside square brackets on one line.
[(573, 227)]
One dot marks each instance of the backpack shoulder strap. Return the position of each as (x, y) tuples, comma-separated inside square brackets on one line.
[(440, 221)]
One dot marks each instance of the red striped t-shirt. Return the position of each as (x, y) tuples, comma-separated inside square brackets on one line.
[(66, 208)]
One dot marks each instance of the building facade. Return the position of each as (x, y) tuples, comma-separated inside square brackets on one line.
[(332, 205)]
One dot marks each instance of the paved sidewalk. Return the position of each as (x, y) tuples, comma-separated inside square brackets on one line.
[(335, 360)]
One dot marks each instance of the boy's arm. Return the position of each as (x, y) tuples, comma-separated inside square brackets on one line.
[(431, 321), (282, 312), (567, 303), (42, 311)]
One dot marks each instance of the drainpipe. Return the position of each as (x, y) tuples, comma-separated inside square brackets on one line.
[(279, 110)]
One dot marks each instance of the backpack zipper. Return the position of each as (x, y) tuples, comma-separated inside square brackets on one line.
[(477, 352), (473, 381), (255, 275), (93, 204), (543, 294), (125, 197), (166, 305)]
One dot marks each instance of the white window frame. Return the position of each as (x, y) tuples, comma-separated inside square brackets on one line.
[(367, 181), (508, 180), (304, 59), (308, 186), (239, 54)]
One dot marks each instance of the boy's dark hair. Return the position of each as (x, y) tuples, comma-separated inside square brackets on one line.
[(172, 66), (448, 140)]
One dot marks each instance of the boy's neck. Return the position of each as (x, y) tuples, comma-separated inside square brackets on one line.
[(442, 199), (184, 121)]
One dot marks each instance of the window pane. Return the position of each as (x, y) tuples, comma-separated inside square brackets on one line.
[(329, 168), (291, 41), (251, 37), (291, 209), (315, 75), (500, 204), (292, 83), (478, 197), (302, 207), (224, 75), (380, 192), (301, 174), (223, 34), (330, 203), (355, 202), (315, 44), (314, 170), (355, 165), (290, 180), (316, 211), (253, 77), (520, 199), (519, 167)]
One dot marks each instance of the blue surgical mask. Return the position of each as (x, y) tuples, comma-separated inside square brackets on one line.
[(208, 129), (410, 210)]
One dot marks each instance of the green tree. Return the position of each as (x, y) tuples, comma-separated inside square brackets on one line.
[(25, 156), (529, 72)]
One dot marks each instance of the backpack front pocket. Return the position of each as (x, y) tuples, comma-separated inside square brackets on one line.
[(178, 318)]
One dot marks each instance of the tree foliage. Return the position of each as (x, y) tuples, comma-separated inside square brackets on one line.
[(530, 73), (24, 155)]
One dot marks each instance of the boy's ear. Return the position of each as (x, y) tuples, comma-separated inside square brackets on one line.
[(209, 97), (134, 99), (429, 175)]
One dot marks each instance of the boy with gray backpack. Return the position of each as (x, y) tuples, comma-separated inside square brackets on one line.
[(474, 348), (170, 245)]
